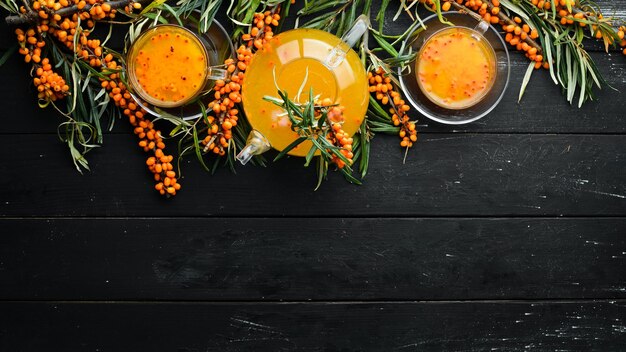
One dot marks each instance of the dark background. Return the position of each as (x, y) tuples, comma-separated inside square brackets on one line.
[(505, 234)]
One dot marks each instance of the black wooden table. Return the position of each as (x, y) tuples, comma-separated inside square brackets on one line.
[(505, 234)]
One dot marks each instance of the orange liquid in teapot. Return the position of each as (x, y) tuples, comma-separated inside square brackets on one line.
[(293, 56), (456, 68)]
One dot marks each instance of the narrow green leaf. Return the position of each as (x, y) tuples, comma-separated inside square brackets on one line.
[(349, 177), (529, 72), (583, 80), (364, 149), (8, 54), (289, 148), (196, 144), (310, 155), (153, 5), (385, 45), (377, 107), (321, 148), (322, 170), (548, 48), (515, 8)]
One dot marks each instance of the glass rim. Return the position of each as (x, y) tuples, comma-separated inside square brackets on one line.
[(488, 46), (480, 115), (138, 89)]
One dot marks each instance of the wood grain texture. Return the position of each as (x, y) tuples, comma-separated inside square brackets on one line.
[(312, 259), (506, 234), (419, 326), (543, 109), (445, 175)]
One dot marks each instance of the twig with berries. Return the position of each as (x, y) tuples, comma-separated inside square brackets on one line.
[(382, 88), (319, 123), (550, 34), (223, 110), (70, 23), (30, 14)]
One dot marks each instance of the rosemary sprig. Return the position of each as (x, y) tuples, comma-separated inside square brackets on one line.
[(311, 120)]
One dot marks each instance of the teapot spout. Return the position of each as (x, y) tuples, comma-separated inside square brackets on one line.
[(358, 30), (255, 145)]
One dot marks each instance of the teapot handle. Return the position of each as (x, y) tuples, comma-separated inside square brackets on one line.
[(352, 36)]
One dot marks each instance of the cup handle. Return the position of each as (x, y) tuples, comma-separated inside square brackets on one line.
[(216, 73), (482, 27), (338, 53)]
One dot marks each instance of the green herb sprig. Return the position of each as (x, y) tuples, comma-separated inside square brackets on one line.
[(311, 122)]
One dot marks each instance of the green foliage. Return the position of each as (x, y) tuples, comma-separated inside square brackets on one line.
[(311, 123)]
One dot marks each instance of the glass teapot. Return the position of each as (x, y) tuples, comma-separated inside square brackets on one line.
[(326, 64)]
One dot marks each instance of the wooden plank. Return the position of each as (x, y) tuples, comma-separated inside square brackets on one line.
[(543, 109), (444, 175), (311, 259), (610, 8), (614, 8), (20, 109), (418, 326)]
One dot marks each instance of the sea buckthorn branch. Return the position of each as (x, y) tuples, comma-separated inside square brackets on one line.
[(518, 34), (32, 14), (150, 139), (490, 11), (551, 29), (223, 110), (50, 85), (321, 123), (584, 14), (381, 87), (66, 28), (388, 111), (335, 135)]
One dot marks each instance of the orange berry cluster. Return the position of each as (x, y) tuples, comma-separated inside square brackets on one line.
[(50, 85), (261, 30), (30, 45), (488, 9), (380, 85), (567, 15), (336, 135), (341, 139), (227, 93), (568, 18), (517, 34), (65, 30), (577, 16), (150, 139)]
